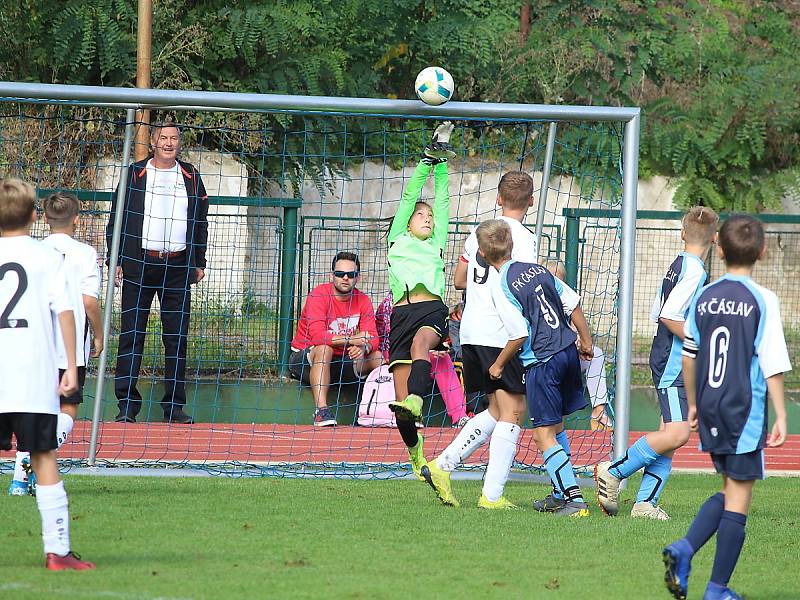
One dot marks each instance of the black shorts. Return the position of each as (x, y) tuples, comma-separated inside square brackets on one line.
[(75, 397), (555, 388), (407, 319), (342, 370), (35, 432), (478, 359), (741, 467)]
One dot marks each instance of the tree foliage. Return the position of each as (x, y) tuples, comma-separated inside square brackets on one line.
[(717, 79)]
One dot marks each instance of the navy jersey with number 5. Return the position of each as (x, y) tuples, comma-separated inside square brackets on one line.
[(734, 333), (685, 277), (546, 303)]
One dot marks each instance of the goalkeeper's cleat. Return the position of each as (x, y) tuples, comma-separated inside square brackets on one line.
[(439, 480), (678, 566), (573, 509), (71, 561), (18, 488), (409, 409), (500, 504), (417, 458), (439, 148), (648, 511), (718, 592), (607, 489), (549, 504)]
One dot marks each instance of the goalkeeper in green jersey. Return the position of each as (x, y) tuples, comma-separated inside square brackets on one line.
[(417, 242)]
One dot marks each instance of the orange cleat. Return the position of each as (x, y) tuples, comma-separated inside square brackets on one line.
[(72, 561)]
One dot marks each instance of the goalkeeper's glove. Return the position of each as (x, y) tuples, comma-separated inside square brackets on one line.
[(439, 148)]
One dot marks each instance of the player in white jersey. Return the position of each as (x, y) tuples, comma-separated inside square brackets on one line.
[(483, 336), (83, 289), (32, 292)]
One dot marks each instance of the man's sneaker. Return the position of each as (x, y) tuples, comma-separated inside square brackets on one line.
[(439, 480), (18, 488), (549, 504), (409, 409), (124, 417), (573, 509), (677, 567), (28, 468), (607, 489), (648, 511), (416, 456), (323, 417), (72, 561), (718, 592), (500, 504), (178, 417), (461, 423)]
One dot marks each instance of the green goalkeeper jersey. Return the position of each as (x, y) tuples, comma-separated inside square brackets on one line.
[(414, 262)]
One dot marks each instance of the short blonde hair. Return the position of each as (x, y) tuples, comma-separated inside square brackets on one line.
[(494, 240), (61, 209), (700, 225), (17, 203)]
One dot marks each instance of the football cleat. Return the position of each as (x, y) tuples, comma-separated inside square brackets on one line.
[(417, 457), (409, 409), (648, 511), (678, 566), (439, 480), (573, 509), (607, 489), (71, 561), (718, 592), (500, 504), (549, 504)]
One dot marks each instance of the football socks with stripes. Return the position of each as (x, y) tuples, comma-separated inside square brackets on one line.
[(654, 479), (639, 455), (559, 467), (563, 439)]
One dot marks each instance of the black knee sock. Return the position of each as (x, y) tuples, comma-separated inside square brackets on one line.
[(419, 380), (408, 431)]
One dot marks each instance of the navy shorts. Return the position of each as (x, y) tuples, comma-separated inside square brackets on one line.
[(555, 389), (674, 408), (741, 467)]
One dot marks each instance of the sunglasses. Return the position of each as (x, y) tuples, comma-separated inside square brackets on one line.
[(348, 274)]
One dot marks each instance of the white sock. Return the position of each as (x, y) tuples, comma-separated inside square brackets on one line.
[(64, 428), (52, 502), (471, 437), (502, 449), (19, 472)]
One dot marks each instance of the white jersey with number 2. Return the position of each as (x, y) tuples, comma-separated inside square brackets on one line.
[(33, 291), (480, 323)]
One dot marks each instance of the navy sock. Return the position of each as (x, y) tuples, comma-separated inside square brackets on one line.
[(730, 538), (706, 522), (419, 380)]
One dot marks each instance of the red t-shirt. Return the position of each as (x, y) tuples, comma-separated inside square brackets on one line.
[(325, 316)]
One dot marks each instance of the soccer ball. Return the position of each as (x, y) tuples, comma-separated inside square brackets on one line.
[(434, 86)]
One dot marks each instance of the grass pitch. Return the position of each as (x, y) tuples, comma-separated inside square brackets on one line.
[(279, 538)]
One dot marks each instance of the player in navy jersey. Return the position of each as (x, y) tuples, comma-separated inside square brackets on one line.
[(683, 280), (549, 352), (734, 354)]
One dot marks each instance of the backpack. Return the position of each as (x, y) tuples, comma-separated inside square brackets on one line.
[(378, 391)]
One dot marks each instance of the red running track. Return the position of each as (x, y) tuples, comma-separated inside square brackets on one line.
[(272, 443)]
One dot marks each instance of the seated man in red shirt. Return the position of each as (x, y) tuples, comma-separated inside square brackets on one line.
[(336, 339)]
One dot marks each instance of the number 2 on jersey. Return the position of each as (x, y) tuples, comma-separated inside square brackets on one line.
[(22, 285)]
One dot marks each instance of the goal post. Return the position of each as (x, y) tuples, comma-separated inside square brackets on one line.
[(580, 156)]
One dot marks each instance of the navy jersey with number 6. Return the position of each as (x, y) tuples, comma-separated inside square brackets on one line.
[(546, 303), (734, 333)]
